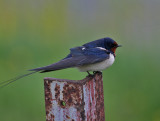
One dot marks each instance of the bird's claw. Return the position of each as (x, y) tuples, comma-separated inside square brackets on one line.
[(89, 74), (99, 72), (94, 72)]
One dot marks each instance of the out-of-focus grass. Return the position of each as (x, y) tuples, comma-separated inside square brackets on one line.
[(37, 33)]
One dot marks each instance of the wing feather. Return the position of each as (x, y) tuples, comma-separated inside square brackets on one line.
[(79, 57)]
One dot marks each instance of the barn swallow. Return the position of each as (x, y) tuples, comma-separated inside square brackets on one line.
[(93, 56)]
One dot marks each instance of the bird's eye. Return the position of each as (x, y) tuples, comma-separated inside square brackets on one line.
[(115, 45), (112, 45)]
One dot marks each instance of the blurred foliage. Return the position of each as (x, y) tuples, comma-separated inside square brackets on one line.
[(36, 33)]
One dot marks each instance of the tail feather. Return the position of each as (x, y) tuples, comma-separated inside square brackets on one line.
[(62, 64), (7, 82)]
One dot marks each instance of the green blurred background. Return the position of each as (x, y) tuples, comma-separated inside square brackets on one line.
[(36, 33)]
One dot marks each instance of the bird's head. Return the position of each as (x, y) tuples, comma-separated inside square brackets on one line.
[(106, 43), (110, 44)]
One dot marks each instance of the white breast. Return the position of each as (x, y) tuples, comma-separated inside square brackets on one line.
[(98, 66)]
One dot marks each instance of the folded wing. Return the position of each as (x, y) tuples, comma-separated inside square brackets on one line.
[(78, 56)]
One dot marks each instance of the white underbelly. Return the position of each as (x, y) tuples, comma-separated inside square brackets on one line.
[(98, 66)]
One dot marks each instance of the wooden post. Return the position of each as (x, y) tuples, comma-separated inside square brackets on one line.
[(74, 100)]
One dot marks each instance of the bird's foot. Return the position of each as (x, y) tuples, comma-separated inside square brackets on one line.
[(94, 72), (89, 74), (97, 72)]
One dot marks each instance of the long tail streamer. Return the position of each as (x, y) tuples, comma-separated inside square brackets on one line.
[(7, 82)]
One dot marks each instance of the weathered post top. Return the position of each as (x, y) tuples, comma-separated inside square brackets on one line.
[(74, 100)]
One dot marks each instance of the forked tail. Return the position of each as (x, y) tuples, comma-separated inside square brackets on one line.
[(7, 82)]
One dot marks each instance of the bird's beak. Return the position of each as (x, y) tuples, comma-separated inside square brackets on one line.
[(119, 45)]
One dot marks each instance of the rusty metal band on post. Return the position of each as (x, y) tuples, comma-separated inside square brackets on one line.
[(74, 100)]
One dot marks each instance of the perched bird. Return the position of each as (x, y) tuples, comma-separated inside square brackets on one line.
[(93, 56)]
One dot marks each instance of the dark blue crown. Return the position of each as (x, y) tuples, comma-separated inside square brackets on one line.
[(103, 42)]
